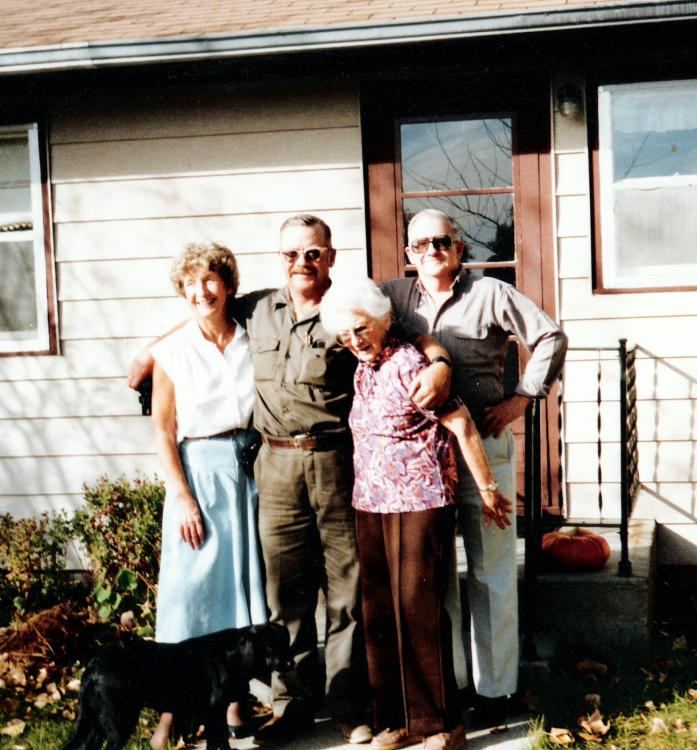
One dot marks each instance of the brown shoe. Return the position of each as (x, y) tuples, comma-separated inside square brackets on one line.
[(393, 739), (455, 739)]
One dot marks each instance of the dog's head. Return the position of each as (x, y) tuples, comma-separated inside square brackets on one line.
[(265, 649)]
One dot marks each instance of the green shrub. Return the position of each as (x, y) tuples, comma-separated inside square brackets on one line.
[(120, 527), (32, 564)]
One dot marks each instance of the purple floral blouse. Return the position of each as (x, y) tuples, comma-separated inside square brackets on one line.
[(403, 457)]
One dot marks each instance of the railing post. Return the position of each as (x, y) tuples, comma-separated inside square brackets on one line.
[(625, 566), (533, 515)]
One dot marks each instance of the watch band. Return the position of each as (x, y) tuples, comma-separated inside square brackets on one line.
[(442, 359), (491, 487)]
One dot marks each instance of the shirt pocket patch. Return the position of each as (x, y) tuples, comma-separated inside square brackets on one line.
[(264, 356), (313, 366)]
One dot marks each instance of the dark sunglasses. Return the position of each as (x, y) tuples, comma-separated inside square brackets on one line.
[(309, 255), (420, 246)]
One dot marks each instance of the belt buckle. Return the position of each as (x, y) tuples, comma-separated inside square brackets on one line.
[(300, 436)]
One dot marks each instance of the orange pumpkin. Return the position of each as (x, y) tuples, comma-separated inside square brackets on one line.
[(582, 550)]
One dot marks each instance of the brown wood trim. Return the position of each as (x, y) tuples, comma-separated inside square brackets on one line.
[(379, 160), (451, 193), (47, 213)]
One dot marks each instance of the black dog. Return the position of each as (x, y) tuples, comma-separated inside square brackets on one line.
[(197, 677)]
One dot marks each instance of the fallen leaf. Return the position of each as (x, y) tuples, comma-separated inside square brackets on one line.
[(594, 726), (650, 705), (53, 691), (41, 677), (589, 737), (560, 736), (680, 643), (657, 726), (13, 728), (679, 725), (73, 686), (692, 693), (41, 700)]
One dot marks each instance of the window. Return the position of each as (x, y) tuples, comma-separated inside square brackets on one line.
[(25, 280), (648, 184)]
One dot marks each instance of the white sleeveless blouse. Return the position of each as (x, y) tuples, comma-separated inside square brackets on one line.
[(214, 391)]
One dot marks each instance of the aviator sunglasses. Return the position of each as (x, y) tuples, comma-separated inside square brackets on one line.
[(310, 255), (420, 246)]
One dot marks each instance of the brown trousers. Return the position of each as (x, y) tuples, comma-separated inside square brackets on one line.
[(404, 562)]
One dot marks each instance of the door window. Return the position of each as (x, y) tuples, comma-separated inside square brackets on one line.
[(464, 167)]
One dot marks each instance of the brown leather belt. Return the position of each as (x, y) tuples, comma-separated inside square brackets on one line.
[(307, 442)]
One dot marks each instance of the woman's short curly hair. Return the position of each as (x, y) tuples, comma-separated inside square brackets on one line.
[(209, 255)]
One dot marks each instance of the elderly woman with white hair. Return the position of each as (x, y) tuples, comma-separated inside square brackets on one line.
[(404, 497), (211, 575)]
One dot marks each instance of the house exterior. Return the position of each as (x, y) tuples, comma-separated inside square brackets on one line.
[(562, 137)]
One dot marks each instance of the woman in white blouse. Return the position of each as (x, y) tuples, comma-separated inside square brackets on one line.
[(203, 393)]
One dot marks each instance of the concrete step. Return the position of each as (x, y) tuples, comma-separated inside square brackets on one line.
[(600, 609)]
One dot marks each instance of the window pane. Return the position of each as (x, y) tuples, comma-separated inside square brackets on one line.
[(654, 129), (456, 155), (15, 180), (485, 223), (655, 231), (17, 290)]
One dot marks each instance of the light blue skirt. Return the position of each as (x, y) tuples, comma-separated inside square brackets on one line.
[(219, 585)]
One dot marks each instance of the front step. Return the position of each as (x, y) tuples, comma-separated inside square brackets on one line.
[(598, 610)]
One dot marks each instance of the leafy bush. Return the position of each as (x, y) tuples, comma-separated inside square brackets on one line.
[(120, 527), (32, 564)]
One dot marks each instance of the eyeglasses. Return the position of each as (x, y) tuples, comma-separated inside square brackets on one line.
[(310, 255), (420, 246), (360, 333)]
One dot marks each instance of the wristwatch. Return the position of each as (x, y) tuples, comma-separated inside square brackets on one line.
[(491, 487), (444, 360)]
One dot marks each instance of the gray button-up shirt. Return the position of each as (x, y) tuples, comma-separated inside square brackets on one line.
[(474, 325)]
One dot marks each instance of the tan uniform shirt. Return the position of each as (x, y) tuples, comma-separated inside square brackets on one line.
[(304, 380), (474, 325)]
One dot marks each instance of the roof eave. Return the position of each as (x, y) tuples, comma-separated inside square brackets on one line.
[(286, 41)]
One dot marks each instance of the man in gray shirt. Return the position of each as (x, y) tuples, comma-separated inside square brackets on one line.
[(473, 318)]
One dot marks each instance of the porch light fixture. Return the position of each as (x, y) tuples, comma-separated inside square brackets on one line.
[(569, 100)]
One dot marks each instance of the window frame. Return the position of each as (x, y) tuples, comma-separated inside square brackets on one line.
[(46, 340), (602, 216)]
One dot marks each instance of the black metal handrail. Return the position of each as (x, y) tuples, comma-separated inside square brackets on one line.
[(535, 522)]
